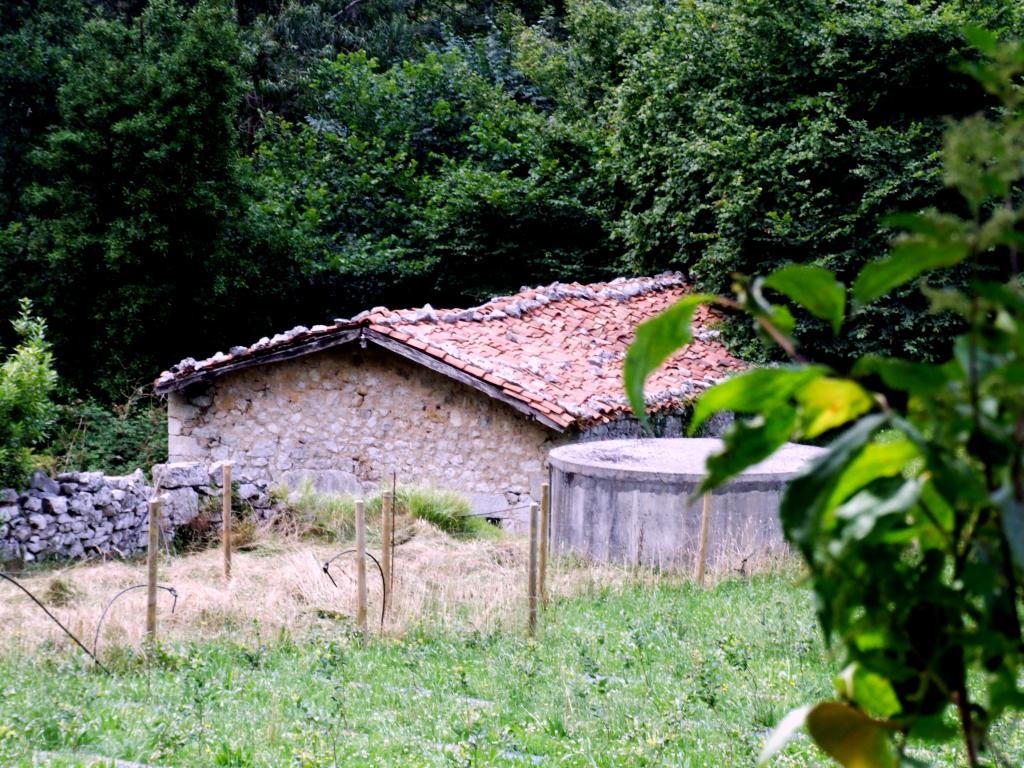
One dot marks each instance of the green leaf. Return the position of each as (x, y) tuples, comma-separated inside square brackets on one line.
[(912, 222), (748, 441), (850, 737), (655, 341), (813, 288), (876, 460), (954, 478), (934, 728), (808, 495), (941, 512), (908, 260), (782, 319), (827, 403), (885, 497), (869, 691), (982, 40), (947, 300), (755, 391), (904, 375), (783, 734)]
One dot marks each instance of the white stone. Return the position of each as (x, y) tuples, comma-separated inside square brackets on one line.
[(180, 505), (55, 505), (183, 447), (180, 474)]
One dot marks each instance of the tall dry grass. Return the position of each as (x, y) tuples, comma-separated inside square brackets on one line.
[(278, 585)]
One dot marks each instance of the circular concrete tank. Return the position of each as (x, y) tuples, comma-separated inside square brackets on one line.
[(628, 501)]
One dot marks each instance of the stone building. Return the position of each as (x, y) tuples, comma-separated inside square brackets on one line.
[(470, 399)]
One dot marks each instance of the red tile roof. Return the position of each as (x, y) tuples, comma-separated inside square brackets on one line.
[(554, 352)]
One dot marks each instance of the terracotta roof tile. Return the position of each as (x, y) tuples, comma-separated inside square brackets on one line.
[(557, 348)]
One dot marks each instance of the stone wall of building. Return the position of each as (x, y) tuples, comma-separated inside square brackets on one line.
[(348, 417), (83, 514)]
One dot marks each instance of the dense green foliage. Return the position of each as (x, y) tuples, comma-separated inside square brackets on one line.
[(90, 435), (429, 178), (912, 523), (130, 241), (752, 134), (179, 176), (26, 412), (33, 35)]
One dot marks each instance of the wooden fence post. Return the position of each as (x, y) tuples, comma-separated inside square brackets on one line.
[(531, 582), (226, 514), (361, 566), (545, 523), (702, 549), (387, 533), (152, 553)]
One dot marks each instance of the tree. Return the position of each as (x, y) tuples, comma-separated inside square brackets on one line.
[(34, 37), (427, 179), (26, 412), (290, 39), (140, 187), (33, 41), (912, 523), (747, 135)]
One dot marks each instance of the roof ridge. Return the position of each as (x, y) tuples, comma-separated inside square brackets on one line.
[(526, 300)]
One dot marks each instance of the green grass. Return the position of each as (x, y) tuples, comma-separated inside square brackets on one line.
[(447, 510), (667, 675), (332, 516)]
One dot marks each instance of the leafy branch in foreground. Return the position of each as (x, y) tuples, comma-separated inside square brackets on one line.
[(912, 523)]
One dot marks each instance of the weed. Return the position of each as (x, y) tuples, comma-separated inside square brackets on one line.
[(331, 517), (91, 435), (205, 529), (59, 593)]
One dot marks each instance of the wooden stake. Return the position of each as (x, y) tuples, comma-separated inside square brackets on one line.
[(226, 514), (702, 549), (152, 553), (531, 583), (361, 566), (545, 524), (387, 500)]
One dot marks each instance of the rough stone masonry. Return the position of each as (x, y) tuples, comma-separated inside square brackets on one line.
[(351, 417), (81, 514)]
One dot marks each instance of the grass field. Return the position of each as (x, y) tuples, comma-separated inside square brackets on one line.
[(638, 670)]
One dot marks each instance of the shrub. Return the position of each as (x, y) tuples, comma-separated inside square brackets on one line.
[(332, 516), (446, 510), (114, 439), (26, 412), (326, 516)]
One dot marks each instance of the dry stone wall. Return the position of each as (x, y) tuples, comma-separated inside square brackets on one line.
[(348, 417), (81, 514)]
